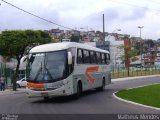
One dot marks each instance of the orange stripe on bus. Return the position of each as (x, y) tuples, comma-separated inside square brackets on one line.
[(35, 85), (88, 71)]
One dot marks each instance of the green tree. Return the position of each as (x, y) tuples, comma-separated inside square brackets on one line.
[(14, 44)]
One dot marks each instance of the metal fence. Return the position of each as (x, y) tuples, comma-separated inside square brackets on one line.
[(7, 72), (120, 71)]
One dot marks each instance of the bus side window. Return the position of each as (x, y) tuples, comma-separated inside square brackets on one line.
[(99, 58), (93, 57), (86, 56), (105, 55), (103, 58), (79, 56), (107, 58)]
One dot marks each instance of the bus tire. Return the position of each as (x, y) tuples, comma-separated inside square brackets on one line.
[(103, 85), (46, 98), (79, 90)]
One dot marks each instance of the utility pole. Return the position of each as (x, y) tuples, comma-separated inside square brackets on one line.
[(103, 28)]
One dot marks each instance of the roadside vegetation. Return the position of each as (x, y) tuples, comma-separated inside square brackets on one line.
[(148, 95), (14, 44)]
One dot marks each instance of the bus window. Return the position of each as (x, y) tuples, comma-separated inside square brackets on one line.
[(86, 56), (93, 57), (98, 58), (105, 55), (73, 51), (107, 58), (79, 57), (103, 58)]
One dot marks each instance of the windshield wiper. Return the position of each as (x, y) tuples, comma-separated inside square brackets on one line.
[(39, 71), (48, 72)]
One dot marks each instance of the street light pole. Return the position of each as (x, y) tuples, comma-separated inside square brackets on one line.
[(141, 52)]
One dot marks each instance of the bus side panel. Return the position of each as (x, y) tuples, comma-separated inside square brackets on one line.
[(94, 80)]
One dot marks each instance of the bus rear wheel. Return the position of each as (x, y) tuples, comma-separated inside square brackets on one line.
[(103, 85), (46, 98)]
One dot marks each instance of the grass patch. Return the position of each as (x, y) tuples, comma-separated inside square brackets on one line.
[(148, 95)]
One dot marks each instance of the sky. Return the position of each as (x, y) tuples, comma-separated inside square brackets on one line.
[(85, 15)]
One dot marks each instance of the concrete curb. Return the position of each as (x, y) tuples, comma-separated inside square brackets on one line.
[(134, 103)]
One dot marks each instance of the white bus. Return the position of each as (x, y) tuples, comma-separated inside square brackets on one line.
[(68, 68)]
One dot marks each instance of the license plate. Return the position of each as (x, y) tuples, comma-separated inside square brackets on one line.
[(44, 94)]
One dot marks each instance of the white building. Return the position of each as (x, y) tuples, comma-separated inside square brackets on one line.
[(115, 51)]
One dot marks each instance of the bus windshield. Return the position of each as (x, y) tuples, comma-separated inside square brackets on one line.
[(47, 67)]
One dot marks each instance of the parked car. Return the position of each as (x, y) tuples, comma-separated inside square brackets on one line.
[(21, 83)]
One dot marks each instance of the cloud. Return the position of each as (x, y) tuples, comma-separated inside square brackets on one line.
[(95, 20), (133, 14), (111, 14), (51, 15), (12, 18)]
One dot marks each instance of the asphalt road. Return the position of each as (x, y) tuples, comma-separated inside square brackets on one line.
[(92, 102)]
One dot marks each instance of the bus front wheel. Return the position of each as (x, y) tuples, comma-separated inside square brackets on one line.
[(79, 91)]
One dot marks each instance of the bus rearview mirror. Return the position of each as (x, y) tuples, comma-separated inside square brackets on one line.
[(69, 58), (23, 59)]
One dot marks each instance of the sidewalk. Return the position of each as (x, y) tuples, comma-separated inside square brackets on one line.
[(10, 91)]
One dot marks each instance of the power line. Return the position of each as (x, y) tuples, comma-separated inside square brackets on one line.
[(36, 15)]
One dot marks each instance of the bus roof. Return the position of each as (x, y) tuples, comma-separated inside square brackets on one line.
[(63, 45)]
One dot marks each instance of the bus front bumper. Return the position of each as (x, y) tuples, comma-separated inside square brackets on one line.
[(48, 93)]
